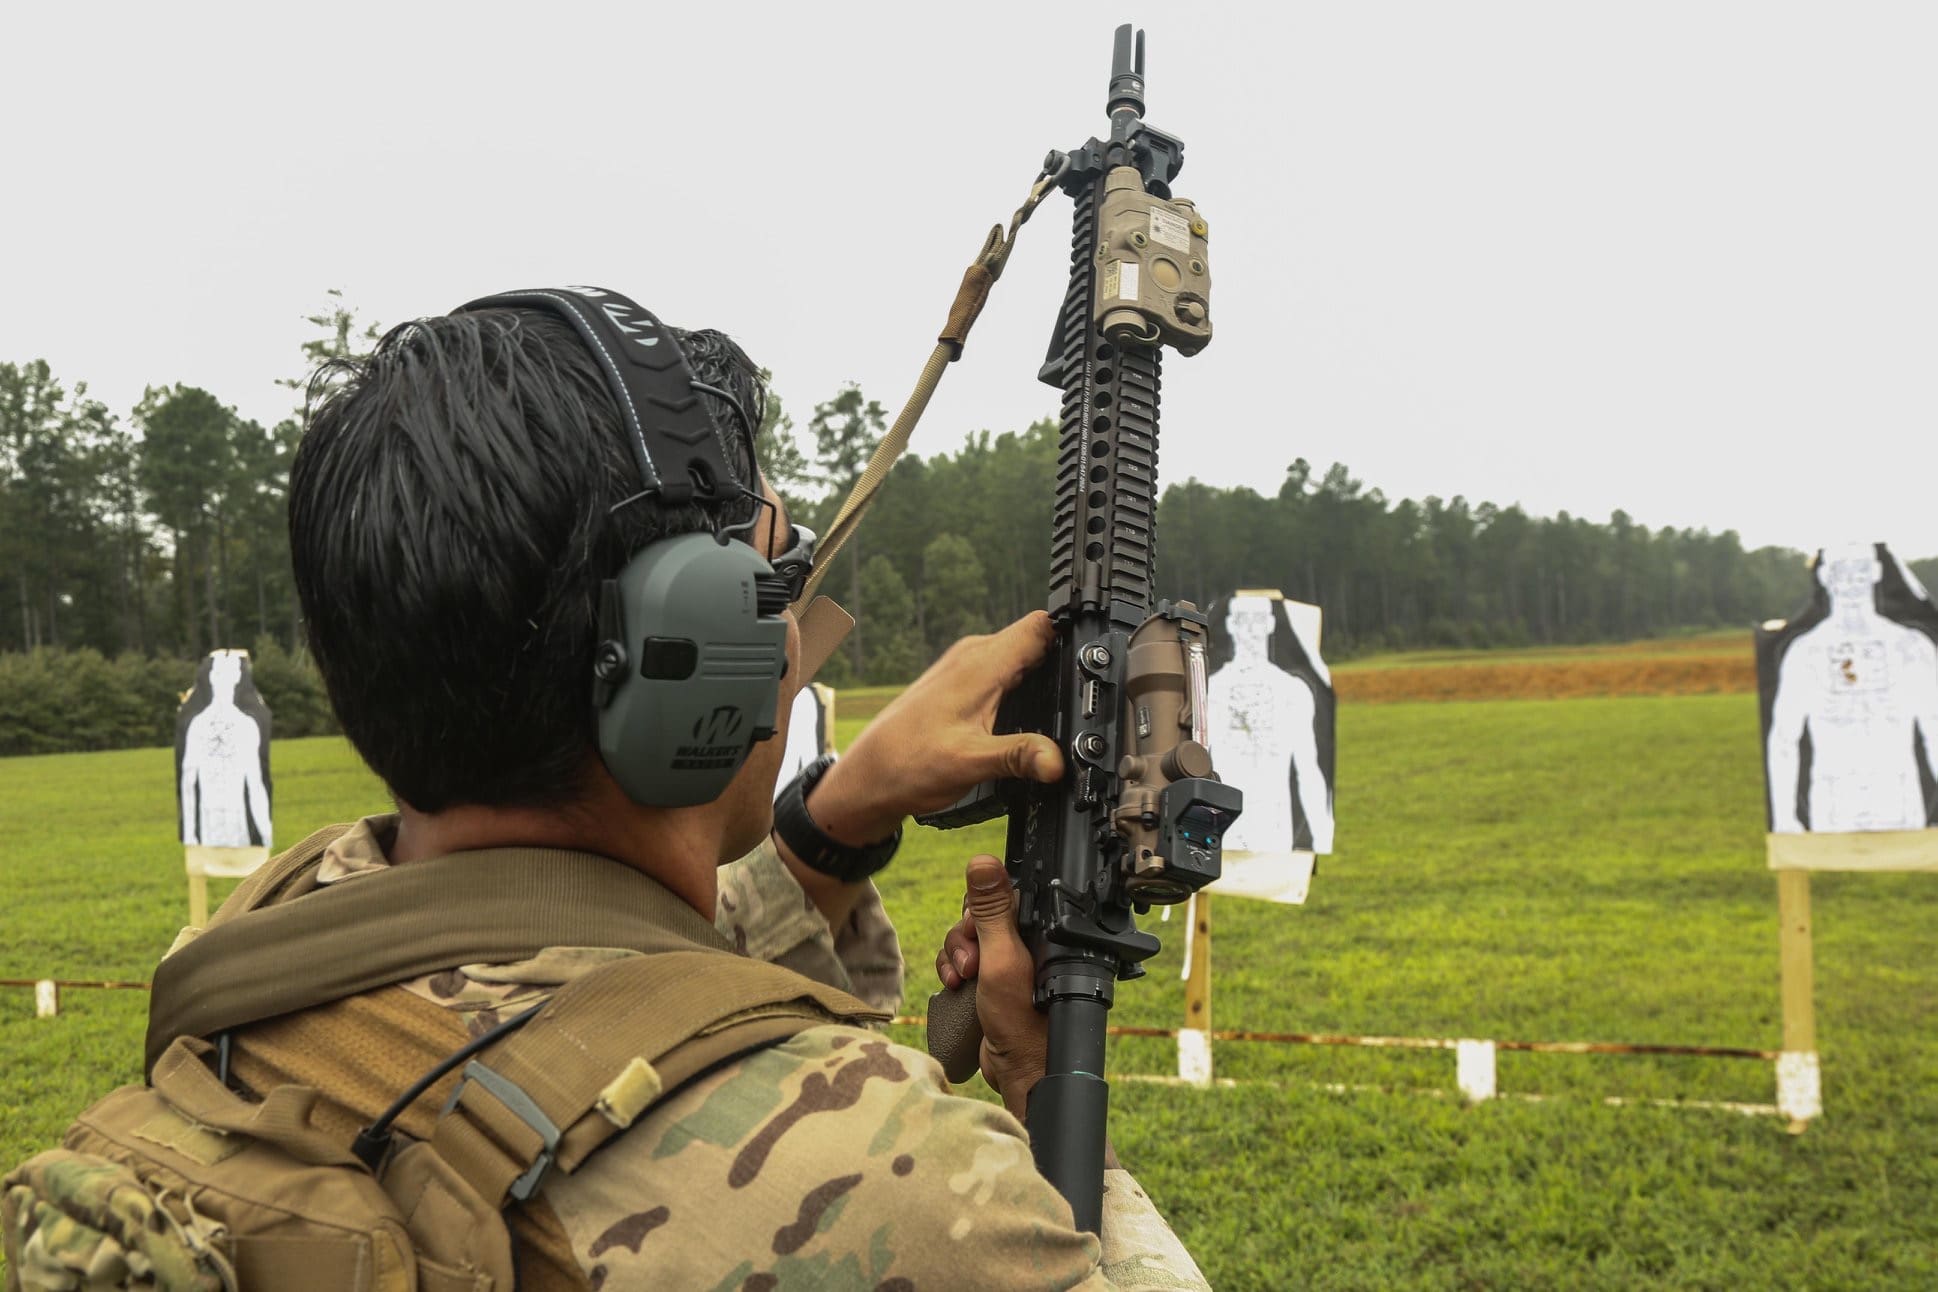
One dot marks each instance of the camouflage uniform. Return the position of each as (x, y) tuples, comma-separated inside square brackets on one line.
[(128, 1239), (835, 1159)]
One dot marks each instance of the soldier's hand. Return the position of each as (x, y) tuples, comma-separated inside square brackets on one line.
[(984, 945), (932, 744)]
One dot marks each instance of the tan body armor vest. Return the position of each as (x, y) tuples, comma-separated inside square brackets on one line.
[(187, 1183)]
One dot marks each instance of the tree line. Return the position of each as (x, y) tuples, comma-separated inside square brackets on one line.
[(161, 534), (959, 542)]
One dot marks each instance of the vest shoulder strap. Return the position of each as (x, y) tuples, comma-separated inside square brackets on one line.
[(608, 1047), (604, 1050)]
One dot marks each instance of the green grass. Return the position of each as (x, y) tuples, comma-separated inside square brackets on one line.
[(1549, 870)]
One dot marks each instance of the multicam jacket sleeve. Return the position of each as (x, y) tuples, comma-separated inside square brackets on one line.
[(839, 1159), (766, 914)]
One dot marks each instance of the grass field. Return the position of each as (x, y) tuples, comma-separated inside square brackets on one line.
[(1580, 869)]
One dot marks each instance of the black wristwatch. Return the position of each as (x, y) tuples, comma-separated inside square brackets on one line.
[(811, 844)]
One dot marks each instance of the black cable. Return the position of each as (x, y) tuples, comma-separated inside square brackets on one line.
[(373, 1141)]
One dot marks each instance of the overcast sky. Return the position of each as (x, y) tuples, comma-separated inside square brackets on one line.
[(1676, 258)]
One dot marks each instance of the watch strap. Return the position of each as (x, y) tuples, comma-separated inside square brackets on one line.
[(806, 840)]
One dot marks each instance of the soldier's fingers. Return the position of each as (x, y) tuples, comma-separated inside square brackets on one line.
[(945, 972), (1019, 647), (959, 950)]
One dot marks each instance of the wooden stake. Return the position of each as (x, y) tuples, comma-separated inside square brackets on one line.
[(1793, 909), (1793, 856), (204, 860), (198, 899), (1799, 1080)]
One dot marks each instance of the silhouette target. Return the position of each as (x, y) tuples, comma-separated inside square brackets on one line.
[(222, 757), (1289, 656), (1847, 693)]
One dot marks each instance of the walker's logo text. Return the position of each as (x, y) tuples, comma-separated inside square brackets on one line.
[(714, 746)]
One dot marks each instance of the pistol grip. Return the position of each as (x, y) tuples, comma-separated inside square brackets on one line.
[(955, 1033)]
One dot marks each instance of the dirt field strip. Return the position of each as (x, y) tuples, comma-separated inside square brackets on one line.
[(1562, 679)]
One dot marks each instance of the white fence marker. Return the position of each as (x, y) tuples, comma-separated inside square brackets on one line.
[(1194, 1056), (1474, 1069), (47, 998), (1800, 1090)]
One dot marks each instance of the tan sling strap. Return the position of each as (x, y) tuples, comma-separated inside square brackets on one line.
[(607, 1047), (971, 295), (492, 906)]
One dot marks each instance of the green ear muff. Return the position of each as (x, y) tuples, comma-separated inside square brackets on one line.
[(686, 677)]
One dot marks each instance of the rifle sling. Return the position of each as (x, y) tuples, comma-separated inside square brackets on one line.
[(492, 906), (971, 296)]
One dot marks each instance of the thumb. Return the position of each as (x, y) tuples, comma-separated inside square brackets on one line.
[(991, 903), (1028, 756)]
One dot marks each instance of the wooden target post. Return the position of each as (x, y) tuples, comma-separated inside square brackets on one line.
[(1793, 856), (203, 861)]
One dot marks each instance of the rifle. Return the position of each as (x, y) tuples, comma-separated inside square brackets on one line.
[(1138, 818)]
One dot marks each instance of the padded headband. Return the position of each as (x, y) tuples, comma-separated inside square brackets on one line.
[(681, 449)]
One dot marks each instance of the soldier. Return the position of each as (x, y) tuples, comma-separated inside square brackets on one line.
[(455, 506)]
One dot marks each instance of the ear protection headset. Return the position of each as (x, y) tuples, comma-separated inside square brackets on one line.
[(686, 676)]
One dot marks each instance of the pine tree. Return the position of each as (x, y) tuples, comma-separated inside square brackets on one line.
[(954, 593), (846, 430), (894, 645)]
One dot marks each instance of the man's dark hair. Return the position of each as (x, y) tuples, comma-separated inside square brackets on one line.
[(451, 517)]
